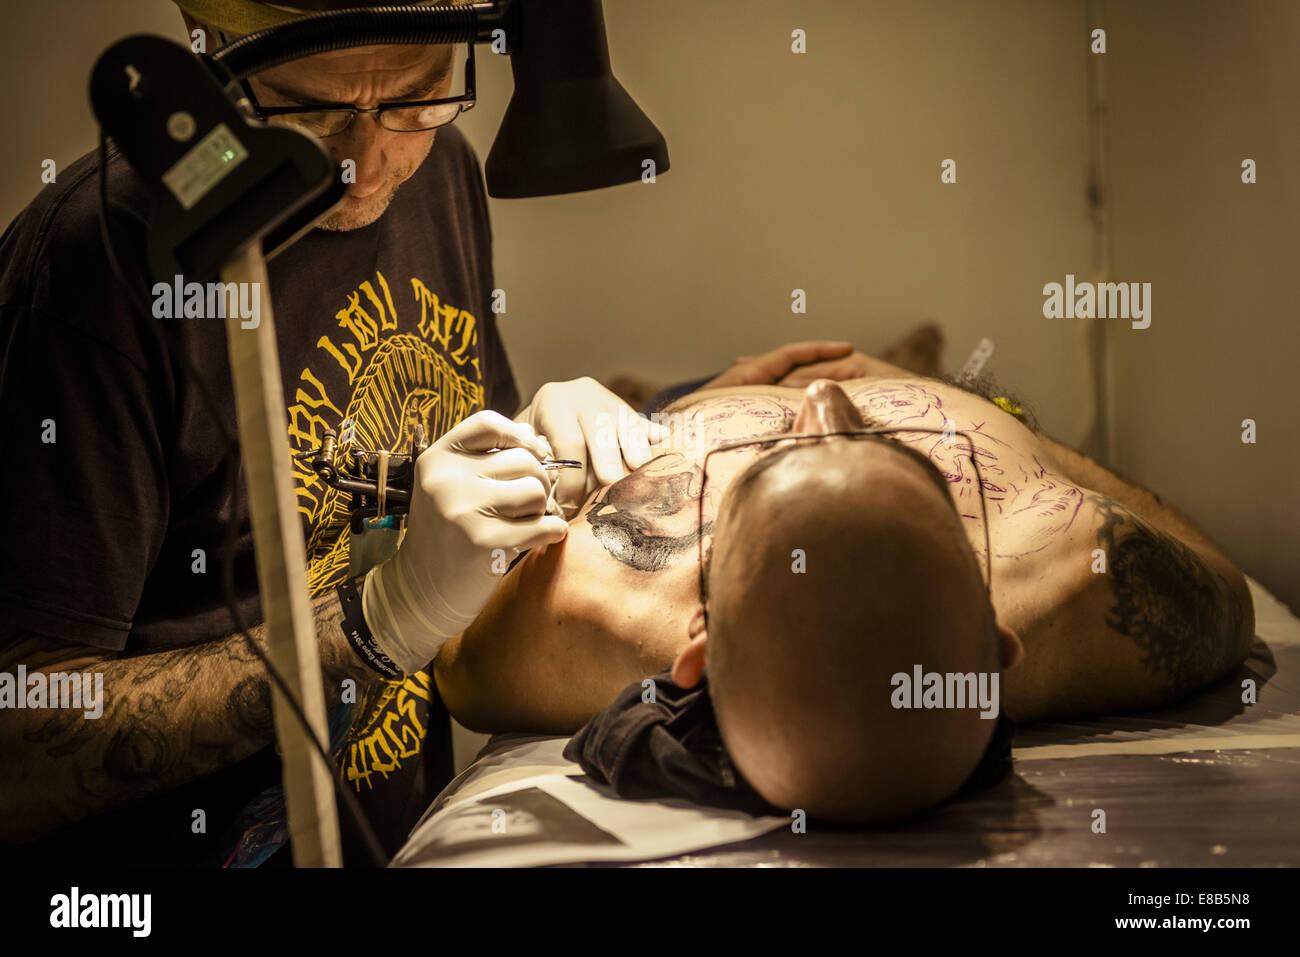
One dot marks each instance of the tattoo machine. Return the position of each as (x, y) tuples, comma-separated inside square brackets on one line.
[(378, 481)]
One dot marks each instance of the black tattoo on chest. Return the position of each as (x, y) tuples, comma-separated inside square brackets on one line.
[(1179, 612), (649, 518)]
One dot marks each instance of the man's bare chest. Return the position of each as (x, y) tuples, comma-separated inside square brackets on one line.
[(988, 458)]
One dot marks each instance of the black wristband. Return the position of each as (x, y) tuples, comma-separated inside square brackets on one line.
[(358, 634)]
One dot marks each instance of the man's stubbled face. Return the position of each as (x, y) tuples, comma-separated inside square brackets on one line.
[(365, 77)]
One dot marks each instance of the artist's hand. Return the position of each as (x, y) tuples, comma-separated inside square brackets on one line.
[(586, 422), (771, 368), (478, 499)]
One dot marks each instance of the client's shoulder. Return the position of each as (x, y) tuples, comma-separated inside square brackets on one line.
[(1136, 619)]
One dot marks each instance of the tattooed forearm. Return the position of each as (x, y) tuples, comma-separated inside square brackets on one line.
[(168, 717), (249, 707), (1184, 618)]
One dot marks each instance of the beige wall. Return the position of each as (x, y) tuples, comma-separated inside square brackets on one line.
[(819, 172), (49, 48), (1196, 87)]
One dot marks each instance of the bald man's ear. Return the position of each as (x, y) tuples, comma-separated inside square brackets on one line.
[(690, 660), (1011, 650)]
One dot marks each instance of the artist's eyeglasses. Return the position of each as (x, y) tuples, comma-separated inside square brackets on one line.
[(968, 493), (406, 116)]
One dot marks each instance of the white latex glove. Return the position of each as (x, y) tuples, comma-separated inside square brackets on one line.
[(477, 489), (586, 422)]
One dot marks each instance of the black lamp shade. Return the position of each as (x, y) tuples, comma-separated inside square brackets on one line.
[(570, 125)]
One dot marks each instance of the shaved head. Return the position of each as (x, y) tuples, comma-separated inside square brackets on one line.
[(835, 565)]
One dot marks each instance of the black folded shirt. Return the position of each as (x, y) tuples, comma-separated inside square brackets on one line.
[(672, 748)]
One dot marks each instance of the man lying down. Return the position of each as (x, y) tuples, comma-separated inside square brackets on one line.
[(833, 565)]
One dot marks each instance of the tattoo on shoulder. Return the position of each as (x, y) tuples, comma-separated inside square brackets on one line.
[(1181, 614)]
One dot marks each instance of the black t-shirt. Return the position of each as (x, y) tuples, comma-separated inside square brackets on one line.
[(114, 477)]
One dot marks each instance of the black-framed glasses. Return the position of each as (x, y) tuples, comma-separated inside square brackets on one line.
[(322, 120), (946, 436)]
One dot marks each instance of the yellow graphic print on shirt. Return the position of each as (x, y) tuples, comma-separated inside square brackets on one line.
[(387, 730), (400, 373)]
